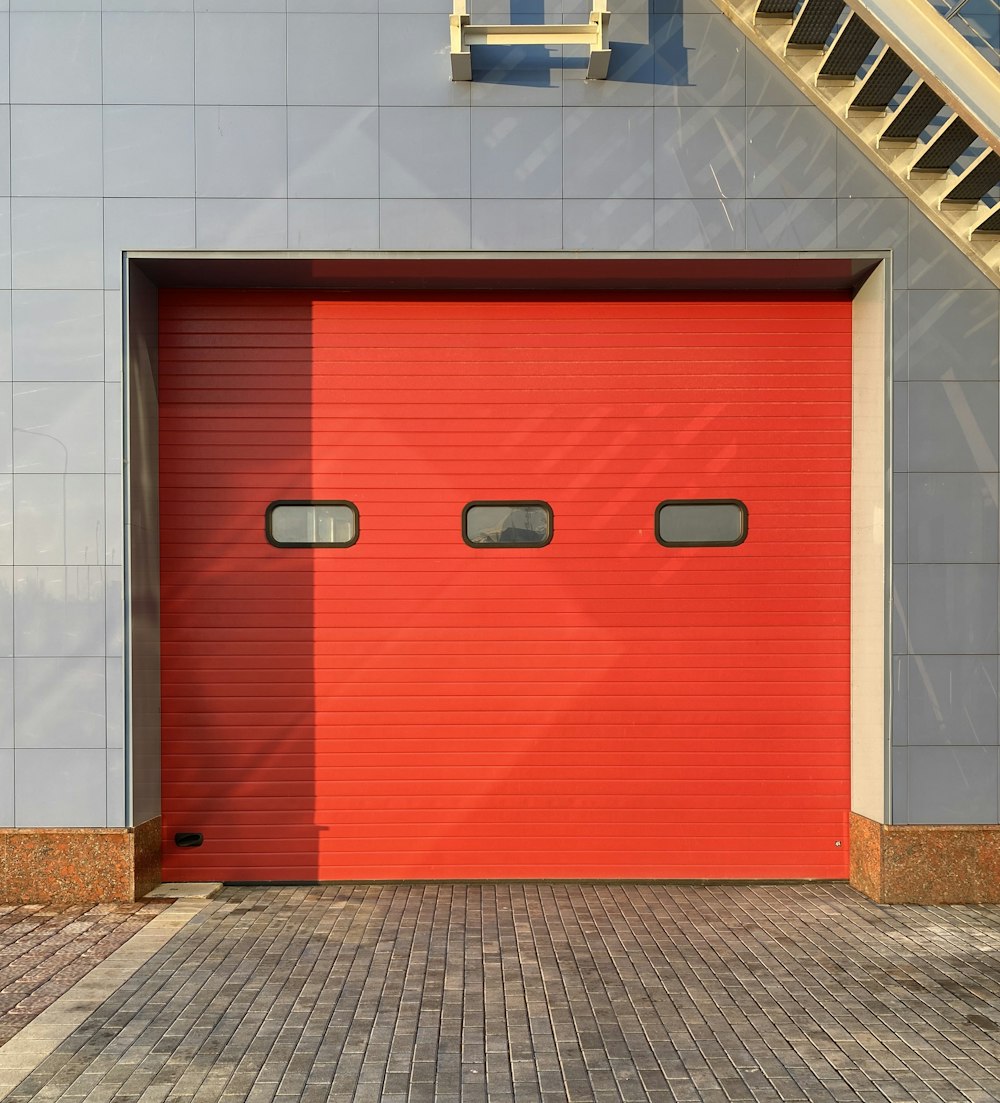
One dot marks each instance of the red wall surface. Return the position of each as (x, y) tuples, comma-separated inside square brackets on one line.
[(412, 707)]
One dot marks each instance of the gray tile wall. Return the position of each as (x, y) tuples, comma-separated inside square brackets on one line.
[(332, 124)]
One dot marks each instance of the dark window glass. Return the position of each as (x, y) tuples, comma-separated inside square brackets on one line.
[(701, 523), (312, 524), (507, 524)]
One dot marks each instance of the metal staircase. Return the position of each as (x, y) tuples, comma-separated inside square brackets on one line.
[(908, 90)]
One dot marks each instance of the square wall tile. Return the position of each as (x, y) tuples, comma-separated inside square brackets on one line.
[(113, 337), (114, 432), (636, 41), (951, 608), (900, 613), (64, 788), (59, 611), (242, 223), (149, 151), (425, 224), (6, 356), (241, 152), (332, 224), (952, 700), (116, 788), (516, 153), (6, 788), (115, 700), (900, 319), (934, 263), (114, 611), (767, 86), (330, 59), (791, 153), (114, 520), (791, 224), (6, 702), (608, 152), (899, 692), (875, 224), (4, 57), (700, 224), (517, 76), (59, 702), (900, 517), (6, 611), (700, 61), (57, 243), (144, 224), (953, 426), (700, 152), (58, 427), (424, 152), (333, 152), (954, 334), (900, 414), (240, 58), (58, 336), (898, 781), (148, 57), (858, 177), (59, 519), (608, 224), (6, 430), (516, 224), (55, 150), (55, 57), (414, 69), (953, 518), (6, 519), (952, 785), (6, 270)]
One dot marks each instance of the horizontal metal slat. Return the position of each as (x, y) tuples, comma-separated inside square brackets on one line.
[(883, 81)]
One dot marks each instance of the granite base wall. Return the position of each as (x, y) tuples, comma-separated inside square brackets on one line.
[(925, 863), (79, 865)]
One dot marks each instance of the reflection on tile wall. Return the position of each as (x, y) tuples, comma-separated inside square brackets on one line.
[(336, 126)]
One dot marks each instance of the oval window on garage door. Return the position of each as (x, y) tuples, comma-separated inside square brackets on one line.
[(311, 524), (701, 522), (507, 524)]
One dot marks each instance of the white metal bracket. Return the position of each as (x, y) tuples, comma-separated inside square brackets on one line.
[(594, 34)]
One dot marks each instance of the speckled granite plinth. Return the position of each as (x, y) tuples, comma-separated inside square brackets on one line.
[(78, 865), (925, 863)]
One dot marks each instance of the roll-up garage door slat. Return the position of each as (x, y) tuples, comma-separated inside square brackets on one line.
[(413, 707)]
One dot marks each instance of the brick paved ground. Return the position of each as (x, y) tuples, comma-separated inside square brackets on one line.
[(45, 950), (549, 992)]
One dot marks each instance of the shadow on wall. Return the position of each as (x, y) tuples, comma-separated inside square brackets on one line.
[(651, 51)]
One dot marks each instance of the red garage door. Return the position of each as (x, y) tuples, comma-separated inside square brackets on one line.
[(412, 706)]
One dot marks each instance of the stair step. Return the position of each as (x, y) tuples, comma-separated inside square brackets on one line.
[(776, 9), (990, 224), (976, 181), (912, 116), (815, 22), (883, 81), (847, 54), (945, 148)]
